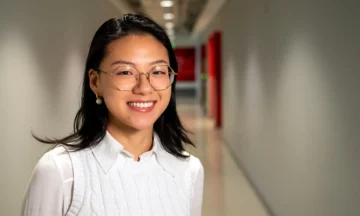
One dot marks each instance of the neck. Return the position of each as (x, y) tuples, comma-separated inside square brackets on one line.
[(134, 141)]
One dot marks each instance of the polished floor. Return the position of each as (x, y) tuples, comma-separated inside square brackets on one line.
[(226, 190)]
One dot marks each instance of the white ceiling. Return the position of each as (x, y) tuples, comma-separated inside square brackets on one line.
[(185, 11), (191, 16), (153, 9)]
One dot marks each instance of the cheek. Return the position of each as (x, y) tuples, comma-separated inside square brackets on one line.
[(112, 97), (106, 83), (108, 89), (165, 97)]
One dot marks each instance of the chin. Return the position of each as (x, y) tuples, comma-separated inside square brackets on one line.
[(135, 119), (142, 124), (141, 127)]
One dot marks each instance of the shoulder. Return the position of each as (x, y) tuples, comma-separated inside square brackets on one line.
[(59, 152), (175, 165), (55, 162), (190, 165), (192, 162), (190, 168), (46, 186)]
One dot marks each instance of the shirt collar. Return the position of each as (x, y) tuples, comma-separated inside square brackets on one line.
[(108, 149)]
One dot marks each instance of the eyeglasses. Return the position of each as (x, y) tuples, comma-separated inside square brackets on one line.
[(127, 77)]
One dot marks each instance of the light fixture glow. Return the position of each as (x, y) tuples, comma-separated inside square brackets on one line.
[(166, 3), (168, 16), (169, 25), (170, 32)]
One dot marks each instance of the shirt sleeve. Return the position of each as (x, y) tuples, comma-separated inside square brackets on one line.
[(196, 205), (44, 195)]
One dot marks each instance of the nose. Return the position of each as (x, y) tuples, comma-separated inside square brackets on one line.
[(143, 85)]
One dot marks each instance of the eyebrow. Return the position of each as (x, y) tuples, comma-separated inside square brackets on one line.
[(133, 64), (158, 62)]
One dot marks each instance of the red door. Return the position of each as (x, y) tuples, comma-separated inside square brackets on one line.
[(215, 81)]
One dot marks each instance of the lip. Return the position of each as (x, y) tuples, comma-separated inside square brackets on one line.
[(142, 109), (142, 101)]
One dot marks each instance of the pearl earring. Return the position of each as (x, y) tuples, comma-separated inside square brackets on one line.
[(98, 100)]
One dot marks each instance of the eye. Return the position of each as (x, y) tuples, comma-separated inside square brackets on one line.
[(158, 72), (123, 73)]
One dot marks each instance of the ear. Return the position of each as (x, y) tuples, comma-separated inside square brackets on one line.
[(94, 82)]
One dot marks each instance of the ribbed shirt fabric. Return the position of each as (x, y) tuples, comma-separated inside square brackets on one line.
[(106, 181)]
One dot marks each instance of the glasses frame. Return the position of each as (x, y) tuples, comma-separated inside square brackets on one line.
[(147, 74)]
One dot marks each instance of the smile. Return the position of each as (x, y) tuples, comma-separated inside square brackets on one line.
[(142, 106)]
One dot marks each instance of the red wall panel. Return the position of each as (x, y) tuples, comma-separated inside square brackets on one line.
[(214, 81), (186, 61), (218, 76), (211, 78)]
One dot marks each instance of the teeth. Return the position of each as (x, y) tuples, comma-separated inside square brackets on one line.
[(141, 105)]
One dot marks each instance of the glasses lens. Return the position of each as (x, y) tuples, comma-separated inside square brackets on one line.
[(125, 77), (161, 77)]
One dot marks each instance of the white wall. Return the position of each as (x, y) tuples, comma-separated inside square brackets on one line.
[(43, 47), (184, 40), (291, 101)]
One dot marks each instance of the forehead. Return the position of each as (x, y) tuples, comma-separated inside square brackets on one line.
[(138, 49)]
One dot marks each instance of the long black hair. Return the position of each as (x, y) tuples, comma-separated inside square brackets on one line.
[(91, 119)]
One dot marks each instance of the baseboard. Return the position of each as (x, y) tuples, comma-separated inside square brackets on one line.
[(248, 178)]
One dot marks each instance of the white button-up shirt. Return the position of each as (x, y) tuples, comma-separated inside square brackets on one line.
[(159, 184)]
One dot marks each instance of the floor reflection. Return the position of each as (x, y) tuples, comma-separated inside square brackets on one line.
[(226, 191)]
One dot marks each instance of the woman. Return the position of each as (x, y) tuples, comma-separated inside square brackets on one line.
[(126, 155)]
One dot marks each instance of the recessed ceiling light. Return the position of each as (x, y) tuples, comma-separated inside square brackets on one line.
[(168, 16), (167, 3)]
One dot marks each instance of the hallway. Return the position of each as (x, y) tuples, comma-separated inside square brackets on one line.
[(280, 78), (226, 190)]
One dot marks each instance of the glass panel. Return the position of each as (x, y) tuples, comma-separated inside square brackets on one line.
[(125, 77), (160, 76)]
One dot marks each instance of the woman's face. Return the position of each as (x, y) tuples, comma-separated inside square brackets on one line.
[(140, 107)]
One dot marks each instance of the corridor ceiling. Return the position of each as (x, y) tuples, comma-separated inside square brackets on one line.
[(186, 12), (190, 17)]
